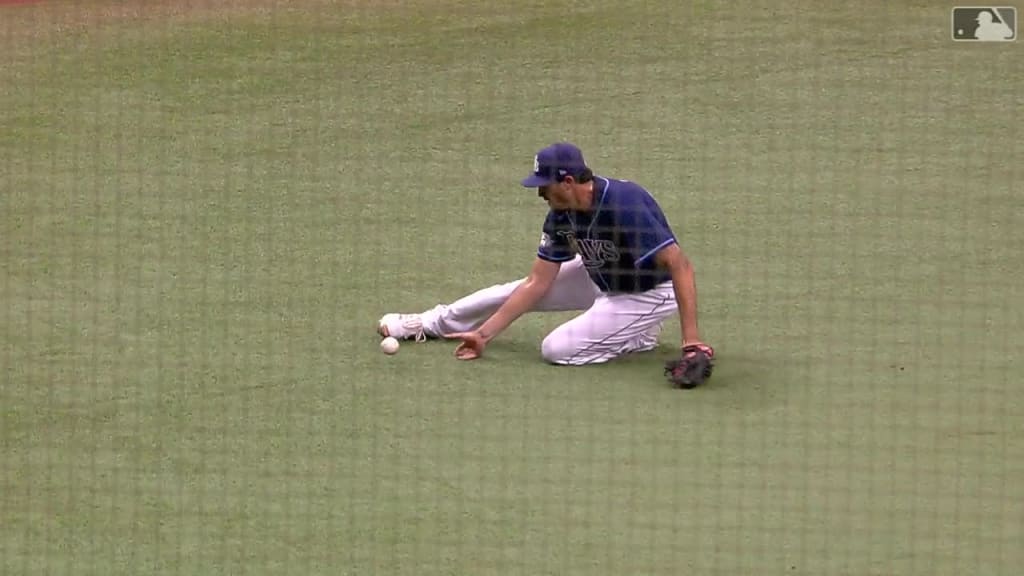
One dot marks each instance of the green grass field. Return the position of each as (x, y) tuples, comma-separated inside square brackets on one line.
[(206, 209)]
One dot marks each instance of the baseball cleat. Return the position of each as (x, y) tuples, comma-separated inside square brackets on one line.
[(402, 327), (645, 343)]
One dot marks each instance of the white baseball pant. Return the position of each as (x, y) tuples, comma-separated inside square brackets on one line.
[(611, 325)]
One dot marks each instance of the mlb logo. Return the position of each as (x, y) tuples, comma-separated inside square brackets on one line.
[(985, 24)]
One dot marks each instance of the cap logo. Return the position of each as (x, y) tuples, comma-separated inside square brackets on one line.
[(536, 164)]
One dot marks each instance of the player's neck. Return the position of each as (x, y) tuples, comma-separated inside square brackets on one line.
[(585, 197)]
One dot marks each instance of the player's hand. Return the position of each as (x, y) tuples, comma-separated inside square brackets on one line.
[(472, 345)]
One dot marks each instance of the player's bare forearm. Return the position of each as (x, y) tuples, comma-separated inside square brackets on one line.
[(519, 302), (542, 276), (685, 285)]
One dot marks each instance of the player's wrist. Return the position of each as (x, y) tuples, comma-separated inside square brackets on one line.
[(691, 344)]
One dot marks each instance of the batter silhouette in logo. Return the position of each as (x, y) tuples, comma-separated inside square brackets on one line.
[(985, 24), (990, 30)]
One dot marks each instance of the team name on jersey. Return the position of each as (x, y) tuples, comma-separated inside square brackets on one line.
[(595, 253)]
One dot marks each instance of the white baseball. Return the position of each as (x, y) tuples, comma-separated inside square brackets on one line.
[(389, 345)]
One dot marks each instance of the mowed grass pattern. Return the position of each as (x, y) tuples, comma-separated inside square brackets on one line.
[(203, 215)]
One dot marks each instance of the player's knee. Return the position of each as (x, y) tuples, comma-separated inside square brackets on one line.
[(561, 347), (558, 349)]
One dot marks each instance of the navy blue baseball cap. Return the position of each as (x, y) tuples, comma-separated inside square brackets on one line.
[(554, 163)]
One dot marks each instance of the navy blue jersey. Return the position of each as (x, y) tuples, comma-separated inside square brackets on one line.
[(617, 239)]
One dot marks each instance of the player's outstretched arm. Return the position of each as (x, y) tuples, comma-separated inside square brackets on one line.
[(521, 301), (675, 260)]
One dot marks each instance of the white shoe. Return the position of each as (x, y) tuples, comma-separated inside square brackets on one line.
[(644, 344), (647, 342), (402, 327), (411, 326)]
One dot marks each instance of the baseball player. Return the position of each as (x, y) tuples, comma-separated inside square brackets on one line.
[(606, 249)]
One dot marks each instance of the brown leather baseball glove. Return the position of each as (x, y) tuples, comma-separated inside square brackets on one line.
[(692, 368)]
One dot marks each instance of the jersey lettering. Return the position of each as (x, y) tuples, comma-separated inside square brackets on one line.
[(594, 253)]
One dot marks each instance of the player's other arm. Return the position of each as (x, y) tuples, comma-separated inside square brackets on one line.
[(655, 239), (684, 283)]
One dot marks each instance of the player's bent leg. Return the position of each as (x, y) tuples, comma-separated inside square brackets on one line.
[(572, 290), (615, 325)]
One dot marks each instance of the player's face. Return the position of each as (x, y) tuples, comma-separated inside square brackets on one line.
[(558, 195)]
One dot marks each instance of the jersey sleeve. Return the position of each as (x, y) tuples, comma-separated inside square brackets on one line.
[(554, 247), (646, 228)]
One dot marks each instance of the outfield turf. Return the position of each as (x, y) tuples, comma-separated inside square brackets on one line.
[(205, 208)]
